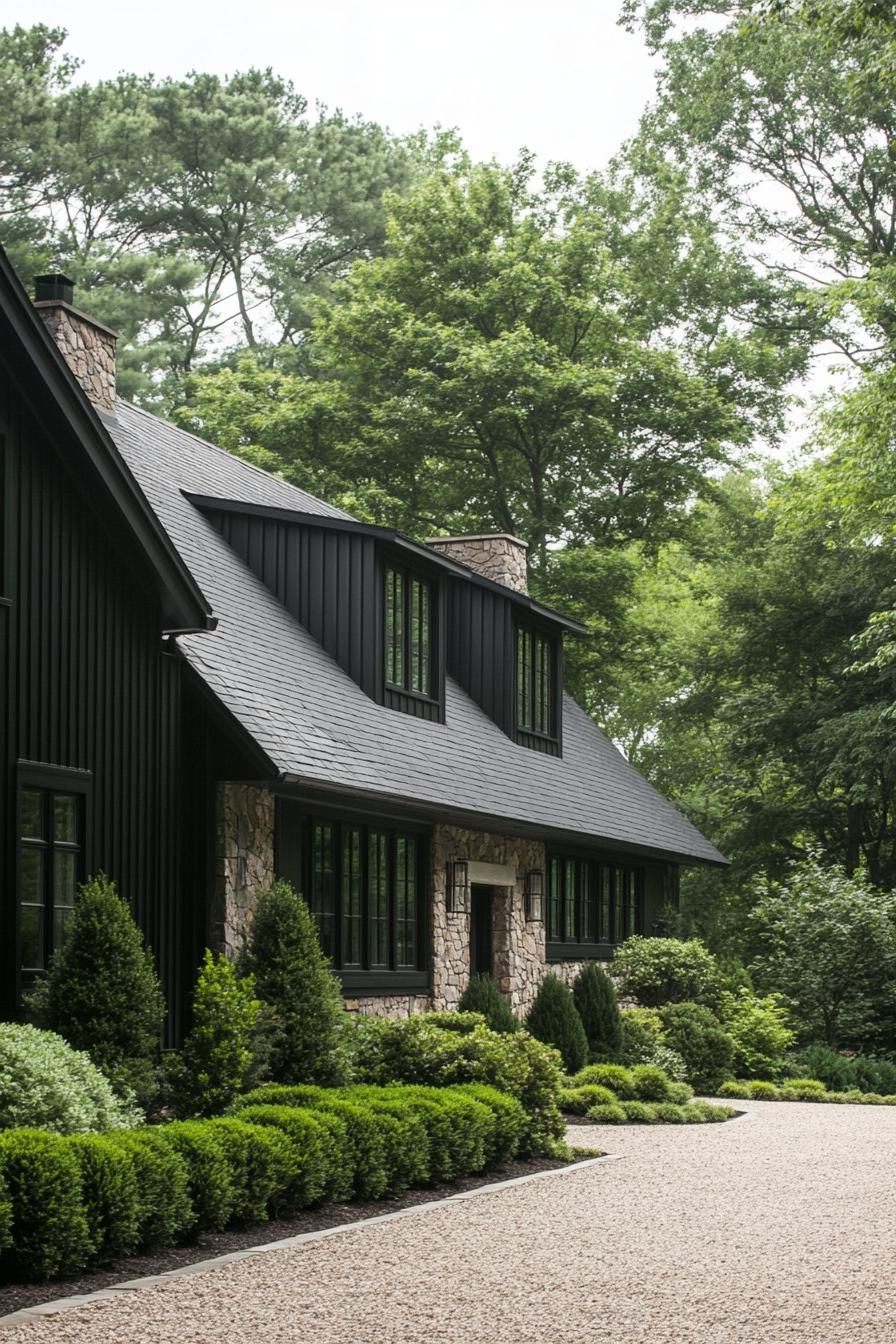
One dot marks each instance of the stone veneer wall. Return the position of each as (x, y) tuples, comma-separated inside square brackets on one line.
[(244, 861), (87, 347), (497, 556)]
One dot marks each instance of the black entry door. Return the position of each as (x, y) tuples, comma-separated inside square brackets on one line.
[(481, 901)]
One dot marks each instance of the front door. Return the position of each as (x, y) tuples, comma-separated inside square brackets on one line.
[(481, 903)]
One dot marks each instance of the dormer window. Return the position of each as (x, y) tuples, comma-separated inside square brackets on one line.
[(536, 683), (409, 626)]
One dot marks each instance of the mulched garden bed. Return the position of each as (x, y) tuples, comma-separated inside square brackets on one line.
[(15, 1296)]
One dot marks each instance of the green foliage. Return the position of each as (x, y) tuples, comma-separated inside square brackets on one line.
[(638, 1112), (42, 1177), (45, 1084), (595, 999), (607, 1114), (509, 1116), (293, 976), (483, 996), (210, 1181), (618, 1079), (218, 1052), (760, 1030), (650, 1083), (322, 1150), (827, 942), (417, 1051), (110, 1194), (164, 1208), (657, 971), (263, 1164), (705, 1047), (102, 993), (554, 1019), (842, 1073), (577, 1100), (5, 1219), (454, 1021)]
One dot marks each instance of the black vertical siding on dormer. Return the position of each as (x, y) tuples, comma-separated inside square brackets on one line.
[(332, 582), (480, 649)]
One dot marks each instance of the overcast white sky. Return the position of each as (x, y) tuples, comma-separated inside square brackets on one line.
[(555, 75)]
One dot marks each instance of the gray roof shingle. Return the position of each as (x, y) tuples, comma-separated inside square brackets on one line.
[(318, 727)]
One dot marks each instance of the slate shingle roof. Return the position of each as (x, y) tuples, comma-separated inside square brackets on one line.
[(318, 727)]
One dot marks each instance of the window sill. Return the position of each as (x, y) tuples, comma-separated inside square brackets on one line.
[(374, 983), (580, 951)]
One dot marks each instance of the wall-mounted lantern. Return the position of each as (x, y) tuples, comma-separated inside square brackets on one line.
[(458, 888), (535, 895)]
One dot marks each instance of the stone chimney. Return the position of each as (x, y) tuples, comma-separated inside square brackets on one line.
[(497, 555), (87, 346)]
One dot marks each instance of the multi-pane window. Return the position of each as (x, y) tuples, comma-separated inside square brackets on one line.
[(408, 634), (592, 902), (50, 845), (534, 682), (364, 888)]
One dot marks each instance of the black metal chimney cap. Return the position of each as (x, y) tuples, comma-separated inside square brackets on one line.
[(50, 287)]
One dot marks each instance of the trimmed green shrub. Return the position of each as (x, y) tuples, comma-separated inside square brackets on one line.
[(164, 1209), (667, 1113), (760, 1031), (483, 996), (554, 1019), (760, 1091), (416, 1050), (460, 1137), (45, 1084), (463, 1023), (102, 993), (109, 1192), (612, 1114), (510, 1119), (50, 1234), (807, 1088), (210, 1181), (706, 1049), (680, 1093), (733, 1088), (579, 1100), (595, 999), (618, 1079), (262, 1162), (638, 1112), (842, 1073), (657, 971), (217, 1055), (712, 1114), (322, 1163), (650, 1083), (292, 975)]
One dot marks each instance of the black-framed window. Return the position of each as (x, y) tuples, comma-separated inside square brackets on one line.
[(365, 884), (536, 682), (409, 632), (50, 866), (591, 903)]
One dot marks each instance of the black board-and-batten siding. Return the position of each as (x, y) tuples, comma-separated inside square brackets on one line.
[(90, 691)]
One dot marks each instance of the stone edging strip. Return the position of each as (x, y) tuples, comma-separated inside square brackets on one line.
[(303, 1238)]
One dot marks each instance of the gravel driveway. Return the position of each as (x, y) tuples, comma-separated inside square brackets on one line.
[(774, 1228)]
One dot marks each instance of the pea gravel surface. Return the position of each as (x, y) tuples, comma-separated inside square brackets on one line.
[(775, 1227)]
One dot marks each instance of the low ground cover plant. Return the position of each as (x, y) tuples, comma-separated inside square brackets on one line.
[(801, 1089), (608, 1094), (71, 1202)]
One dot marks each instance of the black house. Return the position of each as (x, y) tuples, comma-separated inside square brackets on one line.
[(211, 678)]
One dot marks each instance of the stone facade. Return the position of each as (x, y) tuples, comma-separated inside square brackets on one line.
[(87, 347), (389, 1005), (244, 861), (518, 944), (498, 556)]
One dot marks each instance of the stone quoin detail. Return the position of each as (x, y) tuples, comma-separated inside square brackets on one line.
[(497, 556), (87, 347), (244, 867)]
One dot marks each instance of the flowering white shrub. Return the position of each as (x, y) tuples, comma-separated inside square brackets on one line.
[(45, 1084)]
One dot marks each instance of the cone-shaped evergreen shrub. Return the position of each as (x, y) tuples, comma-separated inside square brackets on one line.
[(293, 976), (595, 999), (554, 1019), (482, 995), (217, 1056), (102, 993)]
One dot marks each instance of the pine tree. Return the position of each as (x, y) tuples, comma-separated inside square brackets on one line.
[(292, 975), (482, 995), (554, 1019), (595, 998), (102, 993)]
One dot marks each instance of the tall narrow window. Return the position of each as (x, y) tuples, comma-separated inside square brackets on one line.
[(408, 632), (554, 898), (378, 898), (352, 886), (323, 887), (570, 898), (405, 901), (50, 850), (535, 708)]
